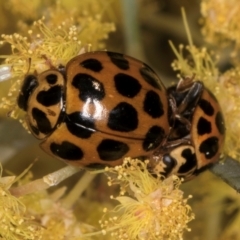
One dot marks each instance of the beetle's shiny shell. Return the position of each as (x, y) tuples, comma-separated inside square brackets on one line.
[(112, 106), (197, 136), (208, 130), (45, 104), (105, 106)]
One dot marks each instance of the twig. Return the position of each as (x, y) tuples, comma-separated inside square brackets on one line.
[(47, 181), (229, 171)]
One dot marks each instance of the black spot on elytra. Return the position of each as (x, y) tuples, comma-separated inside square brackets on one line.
[(153, 105), (219, 121), (154, 137), (170, 163), (206, 107), (123, 118), (118, 60), (66, 151), (79, 125), (203, 126), (29, 84), (89, 87), (92, 64), (191, 161), (110, 150), (43, 124), (50, 97), (209, 147), (150, 77), (51, 78), (127, 85)]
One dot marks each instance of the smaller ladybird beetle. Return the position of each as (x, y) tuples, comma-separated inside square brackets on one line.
[(105, 106), (196, 139)]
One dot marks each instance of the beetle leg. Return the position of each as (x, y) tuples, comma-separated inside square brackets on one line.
[(184, 84), (192, 97), (183, 99), (183, 120), (175, 143), (48, 61), (168, 145), (187, 106), (176, 114)]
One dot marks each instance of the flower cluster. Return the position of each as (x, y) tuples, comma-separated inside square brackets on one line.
[(149, 208), (221, 21), (49, 42), (16, 222)]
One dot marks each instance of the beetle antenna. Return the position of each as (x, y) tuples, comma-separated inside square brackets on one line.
[(48, 62), (185, 82), (188, 78), (29, 66)]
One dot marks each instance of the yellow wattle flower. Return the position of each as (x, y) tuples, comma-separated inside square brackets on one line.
[(153, 208)]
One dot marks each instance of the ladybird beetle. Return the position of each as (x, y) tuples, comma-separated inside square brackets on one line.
[(105, 106), (100, 108), (197, 136)]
